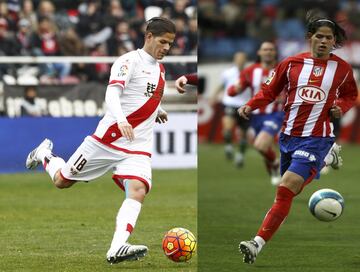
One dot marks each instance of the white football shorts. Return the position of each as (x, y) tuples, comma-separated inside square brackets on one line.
[(93, 159)]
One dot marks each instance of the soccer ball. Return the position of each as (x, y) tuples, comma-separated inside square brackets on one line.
[(326, 204), (179, 244)]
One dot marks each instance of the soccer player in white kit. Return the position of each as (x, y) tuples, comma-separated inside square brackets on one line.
[(123, 139)]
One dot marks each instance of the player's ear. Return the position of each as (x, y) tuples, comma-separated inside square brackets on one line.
[(148, 36)]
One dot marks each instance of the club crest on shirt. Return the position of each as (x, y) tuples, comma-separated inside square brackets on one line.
[(150, 89), (123, 70), (270, 78), (318, 71)]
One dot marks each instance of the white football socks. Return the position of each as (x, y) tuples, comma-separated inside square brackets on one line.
[(125, 222), (51, 163), (260, 241), (54, 164)]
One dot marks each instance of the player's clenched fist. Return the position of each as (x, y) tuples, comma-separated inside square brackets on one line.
[(180, 83), (244, 111), (161, 117), (336, 111), (126, 130)]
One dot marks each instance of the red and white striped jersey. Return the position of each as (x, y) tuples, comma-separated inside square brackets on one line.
[(312, 87), (141, 81), (253, 77)]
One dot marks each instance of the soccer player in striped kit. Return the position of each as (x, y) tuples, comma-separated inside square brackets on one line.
[(318, 85), (123, 139), (266, 120)]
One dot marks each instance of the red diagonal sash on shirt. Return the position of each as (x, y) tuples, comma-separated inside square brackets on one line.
[(140, 115)]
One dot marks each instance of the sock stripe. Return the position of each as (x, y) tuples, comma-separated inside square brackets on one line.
[(129, 228)]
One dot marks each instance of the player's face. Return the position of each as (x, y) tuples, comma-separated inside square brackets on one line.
[(267, 52), (159, 46), (322, 42), (240, 59)]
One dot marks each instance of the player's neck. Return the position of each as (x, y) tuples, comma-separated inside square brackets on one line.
[(320, 56), (268, 65)]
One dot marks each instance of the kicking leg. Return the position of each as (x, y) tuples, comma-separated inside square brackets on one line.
[(333, 157), (52, 163)]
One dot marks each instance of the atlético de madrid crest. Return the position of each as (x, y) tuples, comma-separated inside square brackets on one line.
[(318, 71)]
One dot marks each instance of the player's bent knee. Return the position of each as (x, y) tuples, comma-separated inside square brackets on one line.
[(62, 183), (136, 190), (261, 146), (292, 181)]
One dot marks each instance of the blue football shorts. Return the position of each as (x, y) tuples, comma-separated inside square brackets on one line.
[(271, 123), (303, 155)]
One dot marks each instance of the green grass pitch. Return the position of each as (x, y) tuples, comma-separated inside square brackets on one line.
[(233, 202), (46, 229)]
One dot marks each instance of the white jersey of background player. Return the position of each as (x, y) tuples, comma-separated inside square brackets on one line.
[(228, 78), (231, 103), (123, 139)]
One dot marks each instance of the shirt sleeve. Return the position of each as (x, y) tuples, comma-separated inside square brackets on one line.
[(271, 88), (121, 71), (112, 100), (192, 79), (245, 79), (347, 93)]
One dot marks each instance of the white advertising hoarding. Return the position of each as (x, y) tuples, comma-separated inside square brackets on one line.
[(175, 142)]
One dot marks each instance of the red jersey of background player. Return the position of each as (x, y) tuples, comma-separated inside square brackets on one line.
[(253, 77), (312, 87)]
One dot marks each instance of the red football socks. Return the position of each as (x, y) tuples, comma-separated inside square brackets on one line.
[(277, 214), (269, 155)]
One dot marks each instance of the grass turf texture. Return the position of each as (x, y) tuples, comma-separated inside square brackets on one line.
[(233, 203), (46, 229)]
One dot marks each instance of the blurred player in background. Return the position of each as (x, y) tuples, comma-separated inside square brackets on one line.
[(28, 104), (231, 103), (318, 85), (266, 120), (123, 139)]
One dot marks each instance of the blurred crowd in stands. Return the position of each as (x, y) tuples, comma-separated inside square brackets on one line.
[(241, 25), (86, 28)]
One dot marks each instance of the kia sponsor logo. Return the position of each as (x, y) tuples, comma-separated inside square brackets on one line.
[(311, 94)]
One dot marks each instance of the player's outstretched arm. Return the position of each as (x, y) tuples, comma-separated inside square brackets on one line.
[(245, 111), (180, 83)]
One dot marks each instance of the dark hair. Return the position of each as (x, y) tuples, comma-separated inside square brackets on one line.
[(159, 26), (315, 20), (258, 59)]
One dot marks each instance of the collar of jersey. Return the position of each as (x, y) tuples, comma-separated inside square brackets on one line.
[(146, 56)]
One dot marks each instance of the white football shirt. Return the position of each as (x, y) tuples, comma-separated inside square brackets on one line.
[(229, 78), (141, 81)]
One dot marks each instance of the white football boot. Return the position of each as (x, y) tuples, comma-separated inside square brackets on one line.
[(274, 171), (239, 159), (337, 161), (250, 250), (229, 151), (32, 160), (126, 252)]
